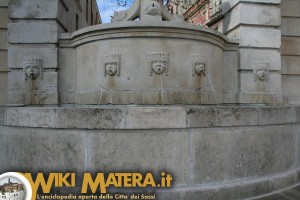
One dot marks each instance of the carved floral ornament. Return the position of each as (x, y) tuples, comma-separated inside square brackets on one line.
[(261, 72), (158, 63), (199, 63), (33, 68), (112, 65)]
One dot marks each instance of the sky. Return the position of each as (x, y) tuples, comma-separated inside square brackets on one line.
[(107, 8), (12, 179)]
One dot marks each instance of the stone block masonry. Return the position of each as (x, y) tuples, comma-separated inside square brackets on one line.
[(212, 152), (254, 25), (33, 30), (3, 51), (290, 51)]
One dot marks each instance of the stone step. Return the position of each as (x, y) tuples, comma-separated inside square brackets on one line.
[(290, 194)]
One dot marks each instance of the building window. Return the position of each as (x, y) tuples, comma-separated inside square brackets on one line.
[(92, 17), (87, 11), (77, 22)]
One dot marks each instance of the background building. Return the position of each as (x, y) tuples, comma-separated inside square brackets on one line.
[(179, 6), (199, 12)]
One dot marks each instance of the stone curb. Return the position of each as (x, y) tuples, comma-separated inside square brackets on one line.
[(148, 117)]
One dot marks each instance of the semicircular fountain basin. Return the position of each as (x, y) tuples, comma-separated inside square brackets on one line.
[(153, 62)]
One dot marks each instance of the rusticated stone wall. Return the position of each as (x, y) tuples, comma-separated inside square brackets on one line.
[(290, 51), (33, 36), (3, 50), (254, 24)]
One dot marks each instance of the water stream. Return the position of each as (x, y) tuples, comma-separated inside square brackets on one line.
[(213, 89)]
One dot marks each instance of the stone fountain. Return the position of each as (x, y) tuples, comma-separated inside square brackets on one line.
[(149, 92), (157, 60)]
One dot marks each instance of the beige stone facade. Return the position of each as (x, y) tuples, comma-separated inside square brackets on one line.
[(3, 50), (259, 38), (39, 29), (290, 52)]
